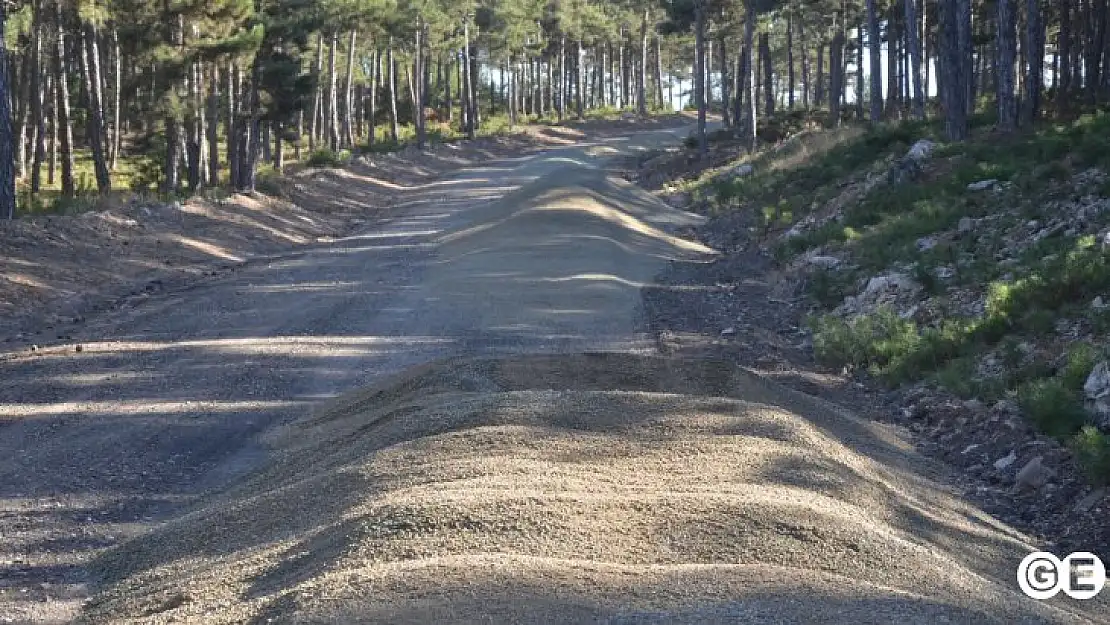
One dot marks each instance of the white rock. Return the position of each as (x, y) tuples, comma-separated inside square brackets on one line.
[(1097, 390), (1033, 475), (729, 331), (1098, 303), (982, 185), (970, 448), (1004, 463), (921, 150), (966, 225), (925, 244), (824, 262), (1098, 381), (891, 282), (743, 170)]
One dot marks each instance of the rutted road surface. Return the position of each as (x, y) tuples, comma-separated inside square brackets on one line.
[(515, 488)]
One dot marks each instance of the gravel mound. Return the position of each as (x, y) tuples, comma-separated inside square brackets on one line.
[(577, 488)]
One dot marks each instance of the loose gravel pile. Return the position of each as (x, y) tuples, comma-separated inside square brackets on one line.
[(578, 488)]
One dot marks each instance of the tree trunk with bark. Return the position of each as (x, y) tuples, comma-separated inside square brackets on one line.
[(914, 43), (1006, 53), (875, 47), (7, 157), (699, 74), (1034, 45), (95, 124), (316, 123), (348, 92), (768, 74), (790, 62), (751, 127)]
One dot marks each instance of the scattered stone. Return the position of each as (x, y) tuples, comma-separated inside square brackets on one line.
[(824, 262), (966, 225), (1033, 475), (944, 272), (1004, 463), (1097, 390), (982, 185), (909, 166), (1006, 406), (742, 170), (1092, 499)]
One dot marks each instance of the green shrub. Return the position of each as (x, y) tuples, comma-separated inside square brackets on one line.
[(828, 287), (1053, 408), (1081, 359), (871, 341), (1092, 452), (324, 157)]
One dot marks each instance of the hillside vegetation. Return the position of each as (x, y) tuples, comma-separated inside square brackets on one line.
[(980, 268)]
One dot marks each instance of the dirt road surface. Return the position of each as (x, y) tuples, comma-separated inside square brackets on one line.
[(515, 478)]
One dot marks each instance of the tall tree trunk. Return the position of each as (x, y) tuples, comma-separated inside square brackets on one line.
[(448, 103), (331, 114), (391, 66), (117, 95), (914, 43), (861, 81), (251, 140), (469, 79), (214, 126), (749, 76), (579, 104), (819, 88), (1034, 44), (768, 74), (233, 122), (279, 147), (836, 75), (641, 82), (699, 74), (790, 62), (51, 116), (372, 114), (659, 71), (315, 125), (37, 116), (348, 92), (7, 157), (805, 64), (1006, 53), (417, 83), (875, 46), (892, 64), (955, 32), (726, 96), (61, 95), (95, 125), (1064, 45), (561, 104)]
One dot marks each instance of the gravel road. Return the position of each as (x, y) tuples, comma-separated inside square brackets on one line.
[(532, 484), (166, 396)]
